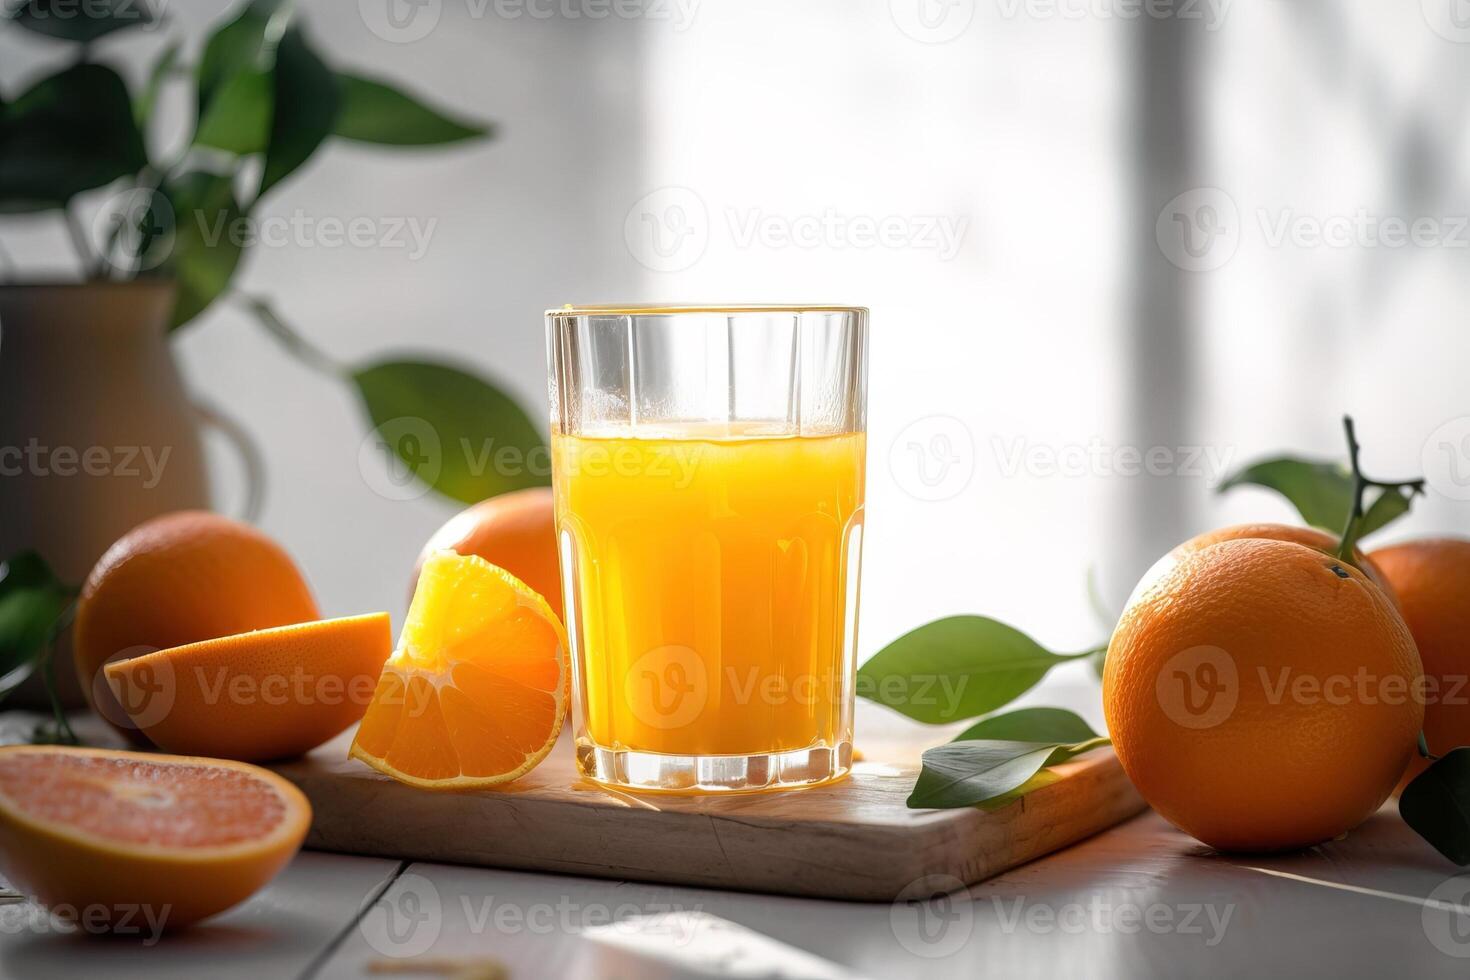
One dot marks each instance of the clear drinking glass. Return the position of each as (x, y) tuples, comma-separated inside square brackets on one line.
[(709, 472)]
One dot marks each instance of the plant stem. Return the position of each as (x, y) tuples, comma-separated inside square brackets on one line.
[(1353, 530), (1095, 601), (64, 733), (109, 245), (298, 346), (1349, 541), (1424, 749), (92, 265), (62, 727)]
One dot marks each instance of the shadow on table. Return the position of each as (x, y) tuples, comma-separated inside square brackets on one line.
[(1381, 848), (55, 950)]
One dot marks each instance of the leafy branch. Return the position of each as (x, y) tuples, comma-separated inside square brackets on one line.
[(35, 607), (1327, 494), (964, 667), (1354, 528), (265, 98), (266, 102)]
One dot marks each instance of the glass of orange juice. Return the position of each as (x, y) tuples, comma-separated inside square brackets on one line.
[(708, 465)]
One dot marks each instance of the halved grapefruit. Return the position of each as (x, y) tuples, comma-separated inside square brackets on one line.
[(128, 836)]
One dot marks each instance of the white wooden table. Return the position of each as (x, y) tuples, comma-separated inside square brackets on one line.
[(1138, 900)]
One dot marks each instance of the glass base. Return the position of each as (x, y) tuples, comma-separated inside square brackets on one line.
[(644, 772)]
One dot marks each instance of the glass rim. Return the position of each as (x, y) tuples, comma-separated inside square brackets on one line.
[(669, 309)]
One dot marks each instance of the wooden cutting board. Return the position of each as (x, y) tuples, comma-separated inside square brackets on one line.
[(853, 839)]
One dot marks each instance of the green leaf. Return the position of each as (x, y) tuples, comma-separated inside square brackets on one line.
[(32, 599), (207, 240), (375, 112), (147, 100), (239, 117), (1106, 618), (245, 43), (68, 133), (1056, 725), (462, 436), (1043, 778), (971, 773), (1437, 805), (956, 668), (71, 20), (1322, 492), (1389, 507), (306, 103)]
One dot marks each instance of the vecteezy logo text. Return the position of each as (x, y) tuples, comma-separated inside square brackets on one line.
[(1198, 687)]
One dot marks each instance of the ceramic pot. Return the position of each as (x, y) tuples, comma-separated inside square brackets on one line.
[(97, 432)]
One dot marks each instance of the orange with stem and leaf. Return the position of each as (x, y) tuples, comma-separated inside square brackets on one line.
[(1280, 596)]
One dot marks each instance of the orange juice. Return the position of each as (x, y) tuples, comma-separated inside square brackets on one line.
[(710, 581)]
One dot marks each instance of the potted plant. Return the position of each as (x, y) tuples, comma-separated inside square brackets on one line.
[(97, 431)]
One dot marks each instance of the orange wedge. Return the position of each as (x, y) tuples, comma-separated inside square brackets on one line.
[(136, 840), (475, 693), (268, 694)]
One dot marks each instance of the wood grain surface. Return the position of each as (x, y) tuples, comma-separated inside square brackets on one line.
[(854, 839)]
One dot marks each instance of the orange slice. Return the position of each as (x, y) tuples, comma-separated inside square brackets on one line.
[(475, 693), (134, 839), (269, 694)]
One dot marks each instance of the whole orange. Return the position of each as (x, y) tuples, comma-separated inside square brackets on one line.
[(515, 531), (176, 579), (1262, 695), (1432, 578), (1312, 537)]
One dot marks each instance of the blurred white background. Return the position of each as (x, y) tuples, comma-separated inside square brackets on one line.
[(999, 180)]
